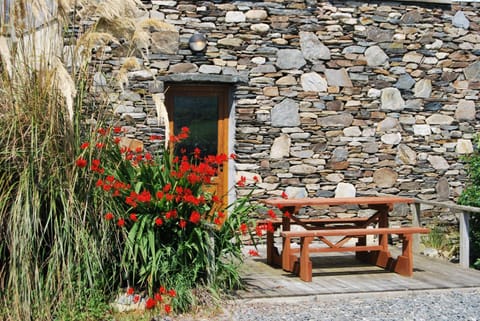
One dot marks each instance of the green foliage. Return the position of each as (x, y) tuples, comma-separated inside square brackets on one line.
[(172, 231), (471, 196)]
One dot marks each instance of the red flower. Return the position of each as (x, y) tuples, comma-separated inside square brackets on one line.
[(85, 145), (150, 303), (253, 253), (162, 290), (116, 141), (102, 131), (144, 196), (172, 293), (130, 291), (242, 181), (158, 297), (259, 230), (168, 308), (158, 221), (109, 216), (287, 214), (256, 179), (195, 217), (81, 162), (182, 223), (121, 222), (133, 217), (117, 130), (167, 188), (244, 228), (100, 145), (284, 195), (271, 213), (136, 298)]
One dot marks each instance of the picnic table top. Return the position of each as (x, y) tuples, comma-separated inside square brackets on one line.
[(362, 200)]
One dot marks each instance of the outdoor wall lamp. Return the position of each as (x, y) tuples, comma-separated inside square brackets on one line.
[(197, 42)]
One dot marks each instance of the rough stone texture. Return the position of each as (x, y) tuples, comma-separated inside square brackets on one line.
[(345, 190), (285, 114), (375, 56), (401, 92), (338, 77), (392, 99), (385, 177), (290, 59), (281, 147), (312, 48), (313, 82)]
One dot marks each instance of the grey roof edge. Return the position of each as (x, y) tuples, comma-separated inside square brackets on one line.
[(209, 78)]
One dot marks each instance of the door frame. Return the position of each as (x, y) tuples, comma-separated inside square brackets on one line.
[(223, 92)]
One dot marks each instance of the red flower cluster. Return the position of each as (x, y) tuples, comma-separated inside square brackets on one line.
[(151, 302)]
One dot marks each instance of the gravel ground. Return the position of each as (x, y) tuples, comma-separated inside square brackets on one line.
[(451, 305)]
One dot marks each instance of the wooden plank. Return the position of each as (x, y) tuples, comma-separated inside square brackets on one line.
[(316, 201)]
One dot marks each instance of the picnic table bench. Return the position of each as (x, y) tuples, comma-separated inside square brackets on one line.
[(345, 228), (377, 254)]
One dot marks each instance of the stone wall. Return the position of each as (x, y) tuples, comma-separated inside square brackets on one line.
[(332, 98)]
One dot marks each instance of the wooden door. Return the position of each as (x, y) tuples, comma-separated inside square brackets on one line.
[(204, 109)]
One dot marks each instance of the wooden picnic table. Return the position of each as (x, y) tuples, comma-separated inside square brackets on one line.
[(347, 228)]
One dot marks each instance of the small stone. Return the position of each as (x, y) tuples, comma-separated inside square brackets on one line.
[(290, 59), (391, 139), (342, 120), (280, 147), (260, 28), (210, 69), (256, 15), (385, 177), (406, 155), (338, 77), (443, 189), (353, 131), (472, 72), (460, 21), (285, 114), (405, 81), (313, 82), (438, 162), (412, 57), (235, 17), (345, 190), (335, 178), (423, 88), (464, 146), (439, 119), (312, 48), (375, 56), (465, 110), (391, 99), (422, 130), (387, 124), (302, 169)]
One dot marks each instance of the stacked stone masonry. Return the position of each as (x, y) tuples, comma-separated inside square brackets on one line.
[(333, 98)]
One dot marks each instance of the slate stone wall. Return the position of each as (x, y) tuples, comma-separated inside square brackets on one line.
[(331, 98)]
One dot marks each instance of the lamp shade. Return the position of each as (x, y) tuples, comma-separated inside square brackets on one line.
[(197, 42)]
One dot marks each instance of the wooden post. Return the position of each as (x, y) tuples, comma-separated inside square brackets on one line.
[(416, 221), (464, 239)]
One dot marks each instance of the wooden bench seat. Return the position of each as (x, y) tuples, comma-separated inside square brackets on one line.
[(273, 257), (377, 254)]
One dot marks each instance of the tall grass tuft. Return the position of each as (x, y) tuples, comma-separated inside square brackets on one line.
[(55, 251)]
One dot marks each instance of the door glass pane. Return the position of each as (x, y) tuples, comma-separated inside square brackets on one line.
[(200, 114)]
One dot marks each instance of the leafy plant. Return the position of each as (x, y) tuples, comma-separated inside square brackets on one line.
[(172, 230), (471, 196)]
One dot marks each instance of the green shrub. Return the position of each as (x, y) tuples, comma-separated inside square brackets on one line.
[(172, 231), (471, 196)]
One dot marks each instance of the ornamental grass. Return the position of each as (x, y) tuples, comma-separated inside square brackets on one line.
[(69, 243)]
